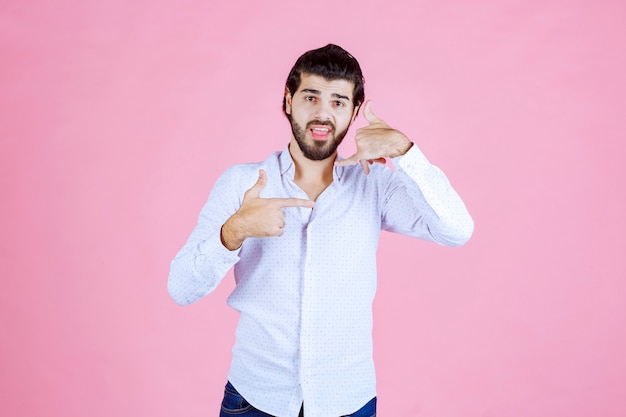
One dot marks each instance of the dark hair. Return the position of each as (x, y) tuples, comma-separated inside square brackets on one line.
[(331, 62)]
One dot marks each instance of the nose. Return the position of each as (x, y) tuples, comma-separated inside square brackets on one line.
[(323, 111)]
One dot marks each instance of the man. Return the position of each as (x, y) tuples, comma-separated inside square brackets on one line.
[(301, 230)]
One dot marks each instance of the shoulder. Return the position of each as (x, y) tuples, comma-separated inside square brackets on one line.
[(246, 174)]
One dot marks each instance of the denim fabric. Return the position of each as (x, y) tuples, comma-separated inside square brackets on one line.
[(368, 410), (234, 404)]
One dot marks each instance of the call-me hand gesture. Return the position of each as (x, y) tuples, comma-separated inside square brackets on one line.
[(376, 142), (258, 217)]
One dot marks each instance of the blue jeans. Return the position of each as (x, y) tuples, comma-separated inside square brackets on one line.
[(234, 404)]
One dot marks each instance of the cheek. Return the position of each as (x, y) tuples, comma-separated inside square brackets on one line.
[(344, 122)]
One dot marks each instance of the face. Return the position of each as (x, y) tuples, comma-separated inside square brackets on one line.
[(320, 113)]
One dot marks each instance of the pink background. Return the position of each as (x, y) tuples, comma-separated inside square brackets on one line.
[(116, 117)]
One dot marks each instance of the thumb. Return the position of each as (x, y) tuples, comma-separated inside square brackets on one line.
[(369, 114), (255, 190)]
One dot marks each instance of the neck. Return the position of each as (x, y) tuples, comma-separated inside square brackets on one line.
[(309, 171)]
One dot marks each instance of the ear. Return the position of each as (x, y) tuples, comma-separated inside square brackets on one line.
[(287, 101), (355, 112)]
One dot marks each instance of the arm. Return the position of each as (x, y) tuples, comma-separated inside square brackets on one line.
[(419, 200), (225, 222), (203, 261)]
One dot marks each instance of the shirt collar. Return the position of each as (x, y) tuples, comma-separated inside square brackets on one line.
[(288, 167)]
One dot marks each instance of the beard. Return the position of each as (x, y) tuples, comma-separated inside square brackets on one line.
[(319, 149)]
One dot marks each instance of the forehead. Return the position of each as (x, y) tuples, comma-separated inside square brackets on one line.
[(324, 86)]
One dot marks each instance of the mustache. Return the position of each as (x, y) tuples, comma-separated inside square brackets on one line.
[(320, 123)]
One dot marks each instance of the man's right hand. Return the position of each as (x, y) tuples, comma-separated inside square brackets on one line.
[(258, 217)]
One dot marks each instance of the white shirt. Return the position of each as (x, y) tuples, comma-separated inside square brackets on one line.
[(305, 298)]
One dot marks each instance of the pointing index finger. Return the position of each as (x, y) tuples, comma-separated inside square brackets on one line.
[(294, 202)]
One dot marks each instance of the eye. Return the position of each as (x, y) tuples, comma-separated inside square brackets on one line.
[(339, 103), (310, 98)]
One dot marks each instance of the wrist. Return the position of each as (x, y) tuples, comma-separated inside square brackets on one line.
[(401, 146), (230, 236)]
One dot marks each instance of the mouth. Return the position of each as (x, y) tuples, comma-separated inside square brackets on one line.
[(320, 132)]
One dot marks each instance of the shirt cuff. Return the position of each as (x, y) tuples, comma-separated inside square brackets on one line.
[(214, 247), (413, 162)]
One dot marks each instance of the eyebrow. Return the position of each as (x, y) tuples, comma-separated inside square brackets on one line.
[(318, 92)]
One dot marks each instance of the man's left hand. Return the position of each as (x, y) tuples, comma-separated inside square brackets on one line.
[(376, 142)]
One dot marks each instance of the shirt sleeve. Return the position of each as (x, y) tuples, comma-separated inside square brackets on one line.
[(420, 202), (203, 261)]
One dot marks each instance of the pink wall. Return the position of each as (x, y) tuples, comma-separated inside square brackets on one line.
[(116, 117)]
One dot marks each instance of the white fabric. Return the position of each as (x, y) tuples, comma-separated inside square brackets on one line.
[(305, 298)]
